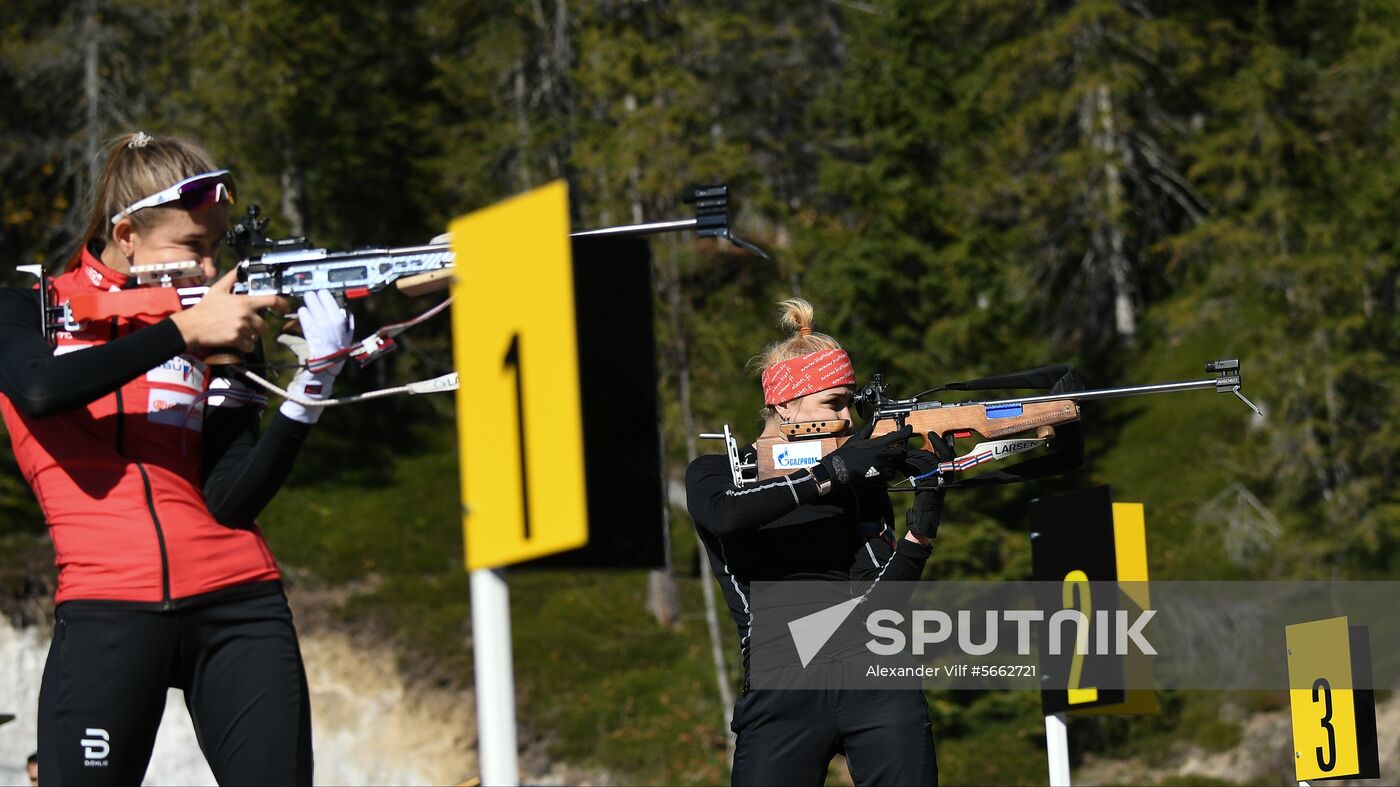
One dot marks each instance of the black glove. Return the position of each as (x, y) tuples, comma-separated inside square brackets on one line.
[(923, 519), (861, 459)]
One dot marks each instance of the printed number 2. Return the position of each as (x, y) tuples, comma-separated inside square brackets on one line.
[(1078, 695), (1330, 762)]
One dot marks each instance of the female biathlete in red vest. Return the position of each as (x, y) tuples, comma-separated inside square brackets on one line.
[(831, 522), (150, 476)]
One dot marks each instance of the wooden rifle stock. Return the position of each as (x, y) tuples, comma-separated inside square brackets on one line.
[(975, 418), (803, 444), (424, 283)]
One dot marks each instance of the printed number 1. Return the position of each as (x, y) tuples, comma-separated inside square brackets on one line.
[(1330, 761), (512, 360)]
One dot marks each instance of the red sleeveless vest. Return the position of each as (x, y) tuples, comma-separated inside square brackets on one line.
[(119, 479)]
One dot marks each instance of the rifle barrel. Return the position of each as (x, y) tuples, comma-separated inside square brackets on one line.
[(650, 228), (1110, 393), (323, 255)]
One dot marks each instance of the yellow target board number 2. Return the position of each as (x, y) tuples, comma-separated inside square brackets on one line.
[(519, 413), (1334, 722)]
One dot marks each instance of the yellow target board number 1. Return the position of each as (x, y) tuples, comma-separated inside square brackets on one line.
[(519, 414), (1334, 722)]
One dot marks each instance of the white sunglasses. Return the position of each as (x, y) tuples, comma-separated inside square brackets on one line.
[(195, 193)]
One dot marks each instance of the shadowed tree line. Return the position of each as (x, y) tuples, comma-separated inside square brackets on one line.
[(961, 188)]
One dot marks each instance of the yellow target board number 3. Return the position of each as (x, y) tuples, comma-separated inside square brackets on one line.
[(519, 413), (1334, 721)]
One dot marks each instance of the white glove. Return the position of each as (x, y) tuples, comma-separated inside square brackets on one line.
[(328, 328)]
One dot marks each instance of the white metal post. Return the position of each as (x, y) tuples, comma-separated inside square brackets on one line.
[(495, 678), (1057, 749)]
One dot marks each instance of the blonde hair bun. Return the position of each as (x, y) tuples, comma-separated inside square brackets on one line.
[(795, 314)]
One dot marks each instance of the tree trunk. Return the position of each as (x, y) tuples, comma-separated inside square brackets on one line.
[(554, 61), (1313, 452), (782, 241), (523, 177), (293, 189), (663, 598), (92, 92), (1108, 234), (681, 351)]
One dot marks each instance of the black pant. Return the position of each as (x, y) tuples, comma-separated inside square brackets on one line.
[(789, 737), (110, 666)]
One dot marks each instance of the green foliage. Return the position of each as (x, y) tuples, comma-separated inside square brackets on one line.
[(994, 737), (1193, 781), (961, 188), (613, 689), (358, 526)]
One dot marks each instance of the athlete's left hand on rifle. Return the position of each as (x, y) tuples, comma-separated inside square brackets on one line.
[(329, 329), (927, 511)]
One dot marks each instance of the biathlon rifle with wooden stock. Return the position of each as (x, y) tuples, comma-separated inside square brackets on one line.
[(1003, 428)]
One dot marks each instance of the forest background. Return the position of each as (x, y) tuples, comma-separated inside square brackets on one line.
[(960, 187)]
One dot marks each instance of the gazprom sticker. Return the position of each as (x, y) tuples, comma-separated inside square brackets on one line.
[(172, 408), (790, 456)]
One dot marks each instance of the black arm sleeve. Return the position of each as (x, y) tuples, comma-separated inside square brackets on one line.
[(40, 383), (907, 562), (724, 509), (242, 470), (879, 556)]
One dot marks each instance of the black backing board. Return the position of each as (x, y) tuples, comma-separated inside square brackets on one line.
[(621, 408), (1073, 532)]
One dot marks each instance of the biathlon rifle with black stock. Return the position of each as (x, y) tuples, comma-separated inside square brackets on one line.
[(1004, 428)]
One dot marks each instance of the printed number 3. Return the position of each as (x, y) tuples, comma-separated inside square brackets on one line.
[(1330, 761)]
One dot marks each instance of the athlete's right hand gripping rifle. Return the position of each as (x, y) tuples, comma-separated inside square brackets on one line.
[(1007, 427)]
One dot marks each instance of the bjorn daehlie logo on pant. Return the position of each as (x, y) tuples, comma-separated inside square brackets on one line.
[(96, 747)]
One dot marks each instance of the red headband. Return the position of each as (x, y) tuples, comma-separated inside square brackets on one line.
[(806, 374)]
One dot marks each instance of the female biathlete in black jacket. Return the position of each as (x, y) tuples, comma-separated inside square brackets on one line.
[(831, 522), (149, 475)]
